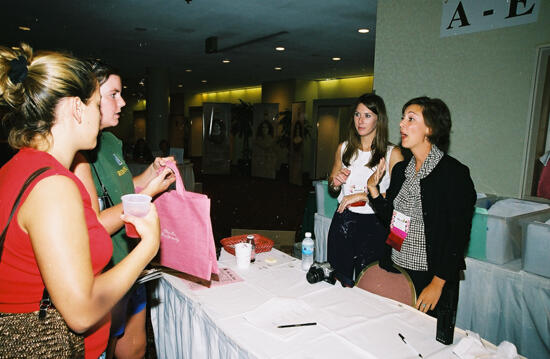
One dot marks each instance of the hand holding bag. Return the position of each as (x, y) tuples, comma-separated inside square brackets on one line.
[(186, 238), (39, 334)]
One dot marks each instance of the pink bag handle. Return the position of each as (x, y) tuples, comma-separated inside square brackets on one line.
[(180, 188)]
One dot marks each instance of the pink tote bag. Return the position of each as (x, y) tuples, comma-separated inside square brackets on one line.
[(186, 238)]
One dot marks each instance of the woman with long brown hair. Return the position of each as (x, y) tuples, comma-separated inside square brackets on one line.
[(356, 237)]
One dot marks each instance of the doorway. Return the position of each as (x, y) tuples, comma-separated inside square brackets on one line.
[(538, 135), (332, 119)]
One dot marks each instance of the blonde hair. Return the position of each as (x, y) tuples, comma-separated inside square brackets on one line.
[(32, 98)]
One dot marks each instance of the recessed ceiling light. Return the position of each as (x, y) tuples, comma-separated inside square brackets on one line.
[(280, 48), (226, 61), (188, 70), (180, 85), (203, 81), (336, 58), (124, 87), (277, 68), (363, 31), (15, 48), (24, 28)]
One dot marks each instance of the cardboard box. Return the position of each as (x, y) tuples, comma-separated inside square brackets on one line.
[(283, 240)]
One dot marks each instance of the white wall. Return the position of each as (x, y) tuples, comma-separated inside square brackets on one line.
[(485, 78)]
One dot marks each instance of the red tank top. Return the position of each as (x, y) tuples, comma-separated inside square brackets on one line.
[(21, 285)]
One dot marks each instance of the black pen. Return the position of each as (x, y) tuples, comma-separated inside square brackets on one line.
[(296, 325), (409, 344)]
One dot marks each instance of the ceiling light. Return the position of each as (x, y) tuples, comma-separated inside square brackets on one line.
[(124, 87), (203, 81), (180, 85), (363, 31), (188, 70), (336, 58), (277, 68), (24, 28), (226, 61), (15, 48), (280, 48)]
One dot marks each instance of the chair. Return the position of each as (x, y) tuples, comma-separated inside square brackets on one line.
[(396, 286)]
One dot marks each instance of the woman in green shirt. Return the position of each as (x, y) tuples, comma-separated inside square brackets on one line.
[(107, 177)]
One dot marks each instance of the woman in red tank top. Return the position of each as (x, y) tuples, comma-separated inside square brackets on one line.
[(54, 238)]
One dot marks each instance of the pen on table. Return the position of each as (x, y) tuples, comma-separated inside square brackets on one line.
[(409, 344), (296, 325)]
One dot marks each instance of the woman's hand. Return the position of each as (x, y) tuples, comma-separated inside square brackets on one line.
[(160, 162), (160, 182), (349, 199), (427, 300), (148, 227), (341, 177), (376, 177)]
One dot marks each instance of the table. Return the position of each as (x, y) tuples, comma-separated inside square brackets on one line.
[(499, 302), (351, 323), (502, 302), (186, 172)]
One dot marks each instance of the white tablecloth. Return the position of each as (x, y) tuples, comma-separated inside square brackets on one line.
[(500, 302), (186, 173), (320, 229), (351, 323)]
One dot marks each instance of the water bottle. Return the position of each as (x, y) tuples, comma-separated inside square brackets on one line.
[(250, 239), (307, 252)]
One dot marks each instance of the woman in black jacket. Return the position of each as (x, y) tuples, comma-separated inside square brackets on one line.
[(428, 206)]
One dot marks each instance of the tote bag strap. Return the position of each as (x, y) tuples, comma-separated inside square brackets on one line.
[(180, 188), (29, 180)]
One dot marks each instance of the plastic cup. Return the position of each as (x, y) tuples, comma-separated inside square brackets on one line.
[(137, 205), (242, 253)]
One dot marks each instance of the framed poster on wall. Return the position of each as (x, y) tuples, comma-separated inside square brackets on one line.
[(265, 158), (296, 143), (216, 127)]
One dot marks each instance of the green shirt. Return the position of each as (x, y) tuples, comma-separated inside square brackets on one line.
[(115, 175)]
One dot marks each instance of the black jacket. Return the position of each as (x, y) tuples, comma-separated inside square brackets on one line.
[(448, 198)]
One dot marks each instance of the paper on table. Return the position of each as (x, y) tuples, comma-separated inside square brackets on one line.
[(149, 274), (226, 276), (282, 311)]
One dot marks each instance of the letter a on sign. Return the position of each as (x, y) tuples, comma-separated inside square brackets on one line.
[(460, 16), (466, 16)]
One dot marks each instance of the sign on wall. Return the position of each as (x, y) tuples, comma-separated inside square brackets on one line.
[(467, 16)]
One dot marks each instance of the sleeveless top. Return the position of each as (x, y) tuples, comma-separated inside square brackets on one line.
[(108, 161), (360, 173), (21, 284)]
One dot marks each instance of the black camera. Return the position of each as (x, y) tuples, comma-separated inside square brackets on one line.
[(320, 271)]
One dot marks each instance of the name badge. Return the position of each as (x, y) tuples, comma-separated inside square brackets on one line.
[(117, 160), (399, 229)]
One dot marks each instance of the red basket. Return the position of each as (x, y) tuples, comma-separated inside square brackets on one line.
[(263, 244)]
